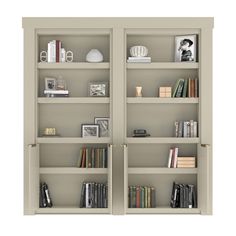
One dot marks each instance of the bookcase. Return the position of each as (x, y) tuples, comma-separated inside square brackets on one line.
[(131, 161)]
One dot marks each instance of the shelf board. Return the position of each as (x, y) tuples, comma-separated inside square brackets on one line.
[(72, 140), (72, 210), (162, 140), (163, 65), (163, 170), (144, 100), (74, 100), (72, 170), (163, 210), (74, 65)]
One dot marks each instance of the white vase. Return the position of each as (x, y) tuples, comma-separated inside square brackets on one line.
[(94, 55)]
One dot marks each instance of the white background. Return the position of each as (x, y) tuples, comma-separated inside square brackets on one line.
[(11, 156)]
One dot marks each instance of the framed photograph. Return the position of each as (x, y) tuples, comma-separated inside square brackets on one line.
[(186, 48), (98, 89), (50, 83), (104, 126), (89, 130)]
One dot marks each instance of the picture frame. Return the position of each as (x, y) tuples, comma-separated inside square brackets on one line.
[(104, 126), (186, 48), (50, 83), (90, 130), (98, 89)]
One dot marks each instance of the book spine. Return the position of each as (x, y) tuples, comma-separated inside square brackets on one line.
[(175, 157), (196, 87), (185, 129), (185, 89), (176, 129), (180, 130), (170, 158), (138, 197), (82, 196), (146, 197), (57, 51), (180, 89), (95, 195), (191, 128), (86, 157), (189, 87), (153, 197), (195, 129)]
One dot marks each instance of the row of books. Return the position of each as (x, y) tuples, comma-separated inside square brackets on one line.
[(186, 129), (94, 195), (174, 161), (56, 93), (44, 197), (141, 197), (92, 158), (183, 196), (186, 88), (139, 59), (55, 52)]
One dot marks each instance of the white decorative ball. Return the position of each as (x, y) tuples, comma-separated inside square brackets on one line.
[(94, 55)]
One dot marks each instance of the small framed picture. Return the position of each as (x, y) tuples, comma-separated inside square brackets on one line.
[(50, 83), (98, 89), (89, 130), (104, 126), (186, 48)]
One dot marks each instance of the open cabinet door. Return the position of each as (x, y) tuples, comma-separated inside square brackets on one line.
[(31, 175), (205, 179)]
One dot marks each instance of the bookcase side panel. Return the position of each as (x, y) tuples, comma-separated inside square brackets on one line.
[(29, 111)]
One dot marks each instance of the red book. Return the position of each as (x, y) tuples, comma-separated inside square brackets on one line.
[(58, 50), (138, 197)]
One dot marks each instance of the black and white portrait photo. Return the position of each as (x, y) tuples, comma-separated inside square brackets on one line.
[(50, 83), (90, 131), (185, 48), (103, 123)]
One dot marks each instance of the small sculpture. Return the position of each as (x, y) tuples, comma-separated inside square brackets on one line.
[(138, 91), (69, 56), (94, 55), (43, 56)]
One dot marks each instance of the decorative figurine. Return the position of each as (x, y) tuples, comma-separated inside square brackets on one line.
[(94, 55), (43, 56), (138, 91), (69, 56)]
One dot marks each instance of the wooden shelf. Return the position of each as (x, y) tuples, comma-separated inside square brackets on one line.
[(74, 65), (72, 140), (163, 65), (162, 140), (144, 100), (72, 210), (163, 170), (163, 210), (72, 170), (86, 100)]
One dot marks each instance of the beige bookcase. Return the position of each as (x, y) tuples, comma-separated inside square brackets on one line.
[(131, 161)]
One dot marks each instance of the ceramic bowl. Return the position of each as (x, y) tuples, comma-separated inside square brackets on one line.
[(94, 55)]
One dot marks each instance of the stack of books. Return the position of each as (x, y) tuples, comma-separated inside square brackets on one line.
[(139, 59), (186, 129), (56, 93), (55, 52), (174, 161), (94, 195), (183, 196), (186, 88), (92, 158), (141, 197), (186, 162), (44, 197)]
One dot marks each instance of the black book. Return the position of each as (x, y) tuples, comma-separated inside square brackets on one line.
[(173, 202), (181, 193), (98, 198), (186, 196), (194, 197), (82, 196), (153, 197), (42, 197), (47, 195), (95, 195)]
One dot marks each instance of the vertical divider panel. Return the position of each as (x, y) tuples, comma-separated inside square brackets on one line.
[(126, 166), (118, 117), (110, 177)]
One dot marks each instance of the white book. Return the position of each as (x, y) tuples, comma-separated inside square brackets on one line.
[(54, 51), (49, 52), (195, 129), (170, 158), (56, 91), (191, 129), (87, 195), (139, 58), (175, 157), (63, 55)]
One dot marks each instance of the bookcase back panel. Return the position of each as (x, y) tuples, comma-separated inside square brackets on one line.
[(68, 118), (156, 155), (77, 81), (80, 45), (151, 80), (162, 184), (65, 190), (159, 119), (62, 155)]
